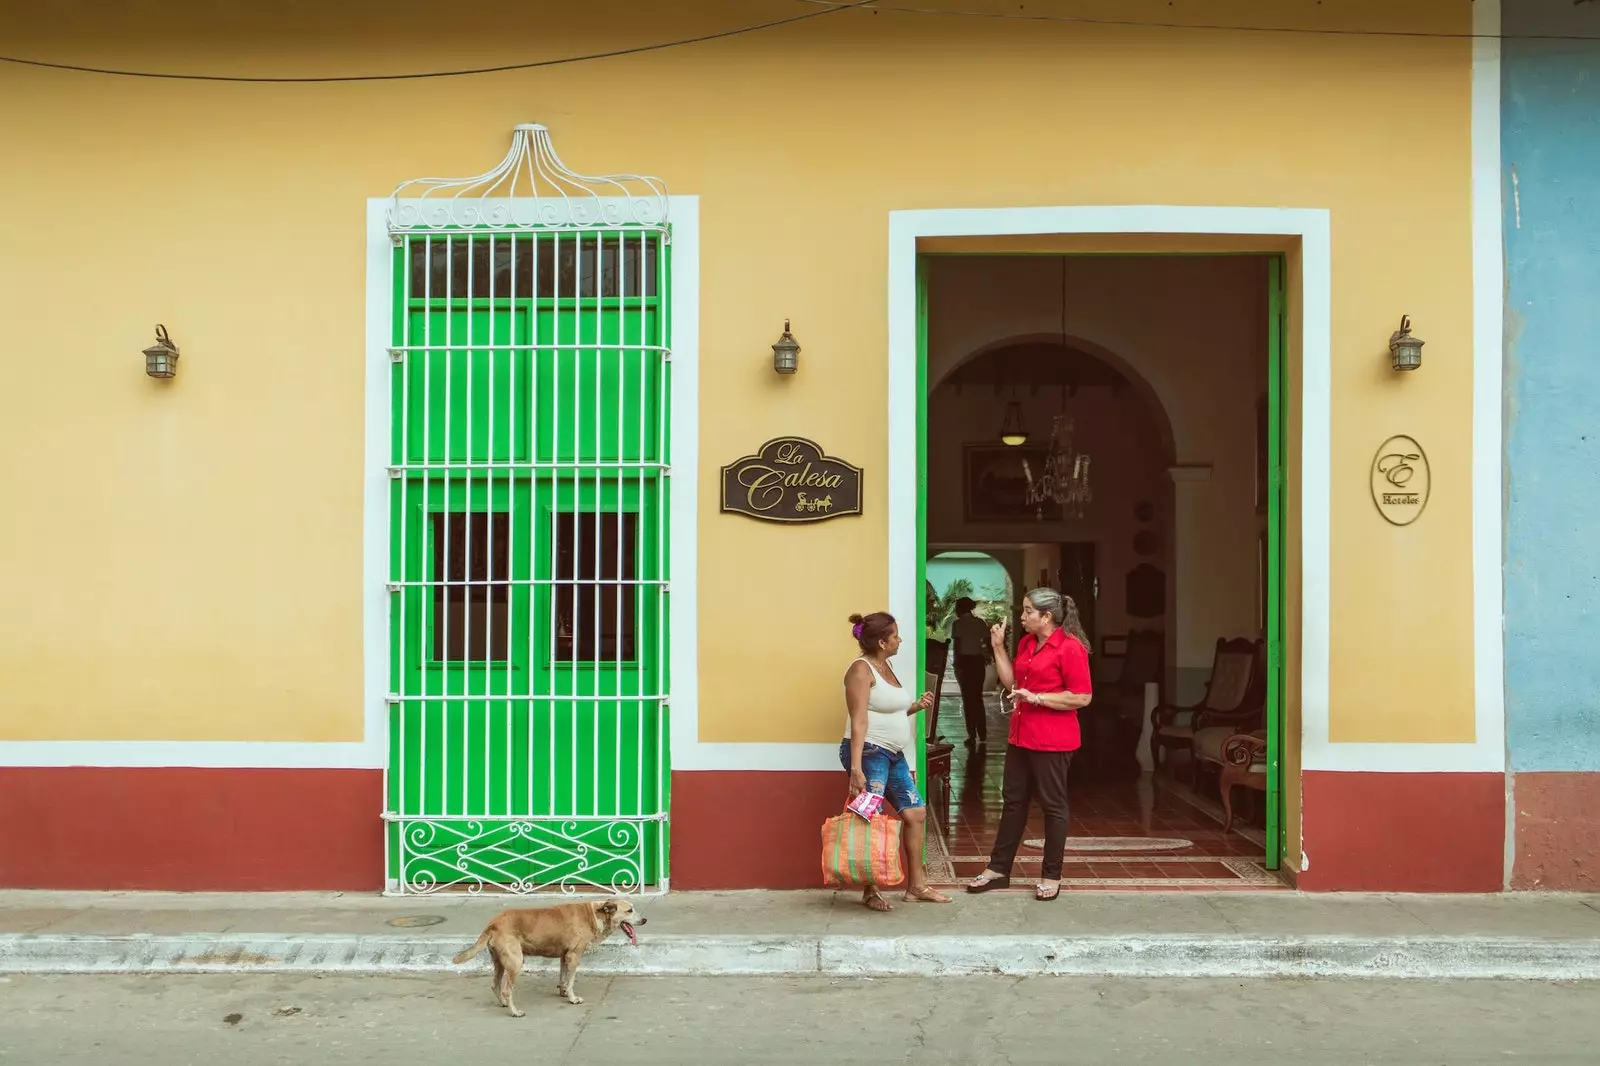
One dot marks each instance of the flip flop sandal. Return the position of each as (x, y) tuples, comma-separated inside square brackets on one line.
[(1040, 890), (988, 884)]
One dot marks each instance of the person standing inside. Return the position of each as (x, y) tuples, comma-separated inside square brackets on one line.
[(969, 637), (1050, 683)]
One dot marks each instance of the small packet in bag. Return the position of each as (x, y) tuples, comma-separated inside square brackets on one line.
[(866, 804)]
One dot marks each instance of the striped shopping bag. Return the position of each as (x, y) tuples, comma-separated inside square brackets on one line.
[(857, 852)]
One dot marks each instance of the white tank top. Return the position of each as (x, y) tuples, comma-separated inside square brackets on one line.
[(888, 725)]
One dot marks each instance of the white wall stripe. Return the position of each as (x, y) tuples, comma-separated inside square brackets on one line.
[(1488, 314)]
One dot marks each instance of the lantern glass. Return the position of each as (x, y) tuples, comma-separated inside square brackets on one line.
[(1405, 350), (161, 358), (786, 353), (160, 361)]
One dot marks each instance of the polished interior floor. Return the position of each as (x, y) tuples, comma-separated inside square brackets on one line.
[(1148, 834)]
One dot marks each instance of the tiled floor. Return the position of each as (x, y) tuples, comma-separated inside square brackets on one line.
[(1169, 838)]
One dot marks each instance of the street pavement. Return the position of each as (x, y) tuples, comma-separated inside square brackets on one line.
[(257, 1019)]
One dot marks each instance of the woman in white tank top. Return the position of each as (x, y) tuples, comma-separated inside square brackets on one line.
[(877, 735)]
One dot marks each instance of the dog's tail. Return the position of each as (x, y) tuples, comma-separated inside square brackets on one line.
[(483, 941)]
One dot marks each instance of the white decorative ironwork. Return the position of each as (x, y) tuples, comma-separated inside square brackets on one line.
[(523, 856), (530, 188), (1065, 480)]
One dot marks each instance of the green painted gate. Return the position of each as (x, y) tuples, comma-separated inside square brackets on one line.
[(528, 560)]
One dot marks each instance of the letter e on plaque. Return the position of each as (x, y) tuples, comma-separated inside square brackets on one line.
[(1401, 480)]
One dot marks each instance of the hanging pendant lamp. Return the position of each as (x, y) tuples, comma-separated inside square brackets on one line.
[(1012, 431)]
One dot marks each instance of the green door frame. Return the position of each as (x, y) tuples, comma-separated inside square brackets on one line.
[(1276, 827), (1274, 562)]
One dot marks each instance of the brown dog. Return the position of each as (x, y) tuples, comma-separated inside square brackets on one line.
[(564, 933)]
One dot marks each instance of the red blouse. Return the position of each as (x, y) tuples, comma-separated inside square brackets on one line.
[(1061, 665)]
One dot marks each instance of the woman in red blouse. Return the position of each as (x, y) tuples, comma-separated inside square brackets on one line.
[(1049, 682)]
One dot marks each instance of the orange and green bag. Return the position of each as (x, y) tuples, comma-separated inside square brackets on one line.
[(857, 852)]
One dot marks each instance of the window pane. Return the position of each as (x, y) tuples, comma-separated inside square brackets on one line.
[(596, 592), (471, 562), (570, 265)]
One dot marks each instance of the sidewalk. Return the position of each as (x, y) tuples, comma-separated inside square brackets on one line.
[(1226, 934)]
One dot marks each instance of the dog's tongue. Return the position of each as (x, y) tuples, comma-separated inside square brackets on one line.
[(627, 929)]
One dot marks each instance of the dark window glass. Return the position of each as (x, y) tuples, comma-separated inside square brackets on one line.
[(568, 266), (471, 563), (596, 598)]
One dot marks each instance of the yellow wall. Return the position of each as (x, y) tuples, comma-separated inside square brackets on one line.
[(183, 561)]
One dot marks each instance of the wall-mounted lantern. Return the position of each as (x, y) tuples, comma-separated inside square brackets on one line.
[(161, 358), (1405, 351), (1012, 431), (786, 353)]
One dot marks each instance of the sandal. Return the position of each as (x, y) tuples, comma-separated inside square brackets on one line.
[(925, 894), (1046, 893), (873, 900), (988, 880)]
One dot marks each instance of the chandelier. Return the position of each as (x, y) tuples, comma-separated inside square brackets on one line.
[(1065, 479)]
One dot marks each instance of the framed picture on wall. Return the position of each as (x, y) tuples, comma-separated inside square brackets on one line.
[(996, 484)]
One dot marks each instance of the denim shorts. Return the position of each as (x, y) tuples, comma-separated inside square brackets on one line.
[(888, 773)]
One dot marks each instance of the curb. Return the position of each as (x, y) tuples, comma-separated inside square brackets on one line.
[(838, 956)]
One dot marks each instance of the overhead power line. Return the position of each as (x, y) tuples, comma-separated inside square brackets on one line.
[(823, 8), (828, 8)]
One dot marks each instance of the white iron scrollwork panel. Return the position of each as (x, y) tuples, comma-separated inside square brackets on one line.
[(531, 188)]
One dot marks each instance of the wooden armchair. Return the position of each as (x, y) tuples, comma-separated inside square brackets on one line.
[(1233, 670), (1213, 728), (1244, 762)]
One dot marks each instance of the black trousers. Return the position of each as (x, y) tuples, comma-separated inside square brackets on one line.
[(1032, 775), (970, 670)]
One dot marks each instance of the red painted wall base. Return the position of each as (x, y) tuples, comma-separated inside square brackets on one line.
[(1557, 832), (191, 830), (751, 828), (183, 829), (1367, 832)]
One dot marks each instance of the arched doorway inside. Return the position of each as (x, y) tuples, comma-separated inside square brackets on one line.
[(1160, 572)]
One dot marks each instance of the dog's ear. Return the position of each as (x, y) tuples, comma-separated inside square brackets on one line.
[(608, 908)]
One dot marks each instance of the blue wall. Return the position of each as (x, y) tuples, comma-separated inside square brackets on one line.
[(1550, 123)]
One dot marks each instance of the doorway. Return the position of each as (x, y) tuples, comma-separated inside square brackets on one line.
[(1119, 421)]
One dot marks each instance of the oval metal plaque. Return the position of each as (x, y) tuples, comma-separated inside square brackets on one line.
[(1401, 480), (790, 479)]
